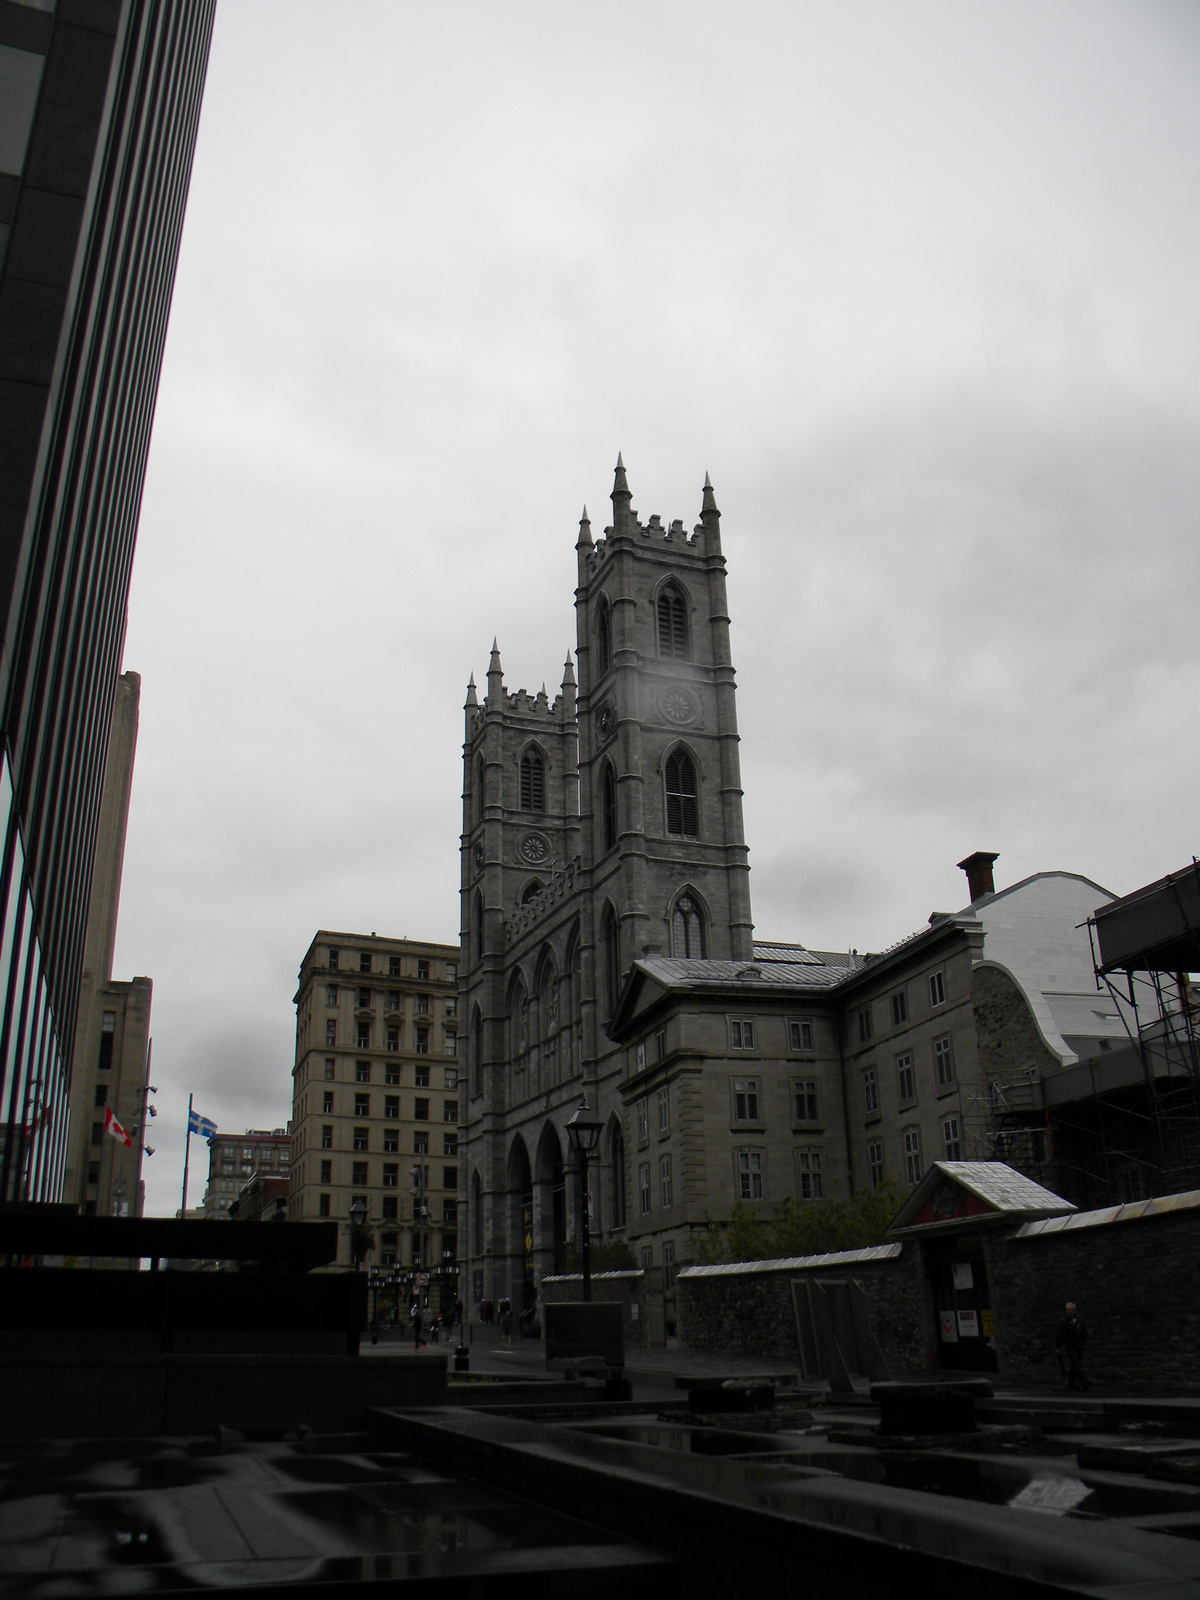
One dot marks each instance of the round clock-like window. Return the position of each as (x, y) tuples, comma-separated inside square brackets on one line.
[(606, 721), (479, 858), (534, 848), (678, 706)]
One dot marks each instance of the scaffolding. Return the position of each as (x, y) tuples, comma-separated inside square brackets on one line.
[(1146, 953)]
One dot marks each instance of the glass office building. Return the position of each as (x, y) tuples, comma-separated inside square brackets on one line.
[(99, 104)]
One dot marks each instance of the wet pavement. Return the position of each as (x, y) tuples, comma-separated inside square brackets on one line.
[(158, 1516)]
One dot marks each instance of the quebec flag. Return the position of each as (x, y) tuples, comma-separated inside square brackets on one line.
[(204, 1126)]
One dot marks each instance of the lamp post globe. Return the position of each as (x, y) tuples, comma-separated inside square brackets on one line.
[(583, 1132)]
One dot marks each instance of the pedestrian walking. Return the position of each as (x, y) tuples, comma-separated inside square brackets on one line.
[(415, 1318), (506, 1325), (1069, 1341)]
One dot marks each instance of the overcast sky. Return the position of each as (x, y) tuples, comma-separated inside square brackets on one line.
[(916, 283)]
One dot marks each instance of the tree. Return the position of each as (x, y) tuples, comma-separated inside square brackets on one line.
[(801, 1229)]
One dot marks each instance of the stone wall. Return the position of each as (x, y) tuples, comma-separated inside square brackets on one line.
[(746, 1309), (1137, 1286), (639, 1292)]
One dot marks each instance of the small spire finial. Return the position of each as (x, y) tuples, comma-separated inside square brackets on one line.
[(472, 697), (620, 483), (708, 503), (568, 672), (585, 531)]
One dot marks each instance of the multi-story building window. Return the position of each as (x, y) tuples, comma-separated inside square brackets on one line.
[(330, 1030), (912, 1154), (387, 1250), (358, 1172), (391, 1175), (800, 1035), (333, 960), (329, 1066), (362, 1072), (362, 1105), (451, 1078), (364, 961), (643, 1121), (937, 989), (943, 1056), (906, 1082), (391, 1107), (393, 1038), (452, 972), (391, 1072), (449, 1144), (450, 1111), (664, 1181), (390, 1209), (664, 1110), (875, 1161), (951, 1140), (327, 1138), (811, 1184), (669, 1264), (327, 1172), (450, 1213), (451, 1041), (422, 969), (422, 1006), (899, 1008), (360, 1139), (750, 1174), (391, 1141), (101, 1098), (393, 966), (870, 1083), (421, 1075), (364, 1036), (866, 1025), (421, 1111), (741, 1033), (745, 1099), (644, 1187), (804, 1100), (324, 1201), (422, 1041), (331, 994), (420, 1143), (327, 1100), (660, 1045), (364, 999)]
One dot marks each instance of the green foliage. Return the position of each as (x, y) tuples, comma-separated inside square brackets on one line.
[(611, 1255), (801, 1229)]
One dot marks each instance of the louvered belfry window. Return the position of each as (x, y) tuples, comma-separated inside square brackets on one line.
[(682, 811), (533, 782), (672, 624), (604, 638), (608, 788)]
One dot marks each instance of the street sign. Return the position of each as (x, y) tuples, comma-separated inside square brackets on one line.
[(422, 1279)]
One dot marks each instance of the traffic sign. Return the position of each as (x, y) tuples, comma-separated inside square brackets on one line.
[(422, 1279)]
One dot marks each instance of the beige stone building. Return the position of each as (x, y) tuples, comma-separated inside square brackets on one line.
[(236, 1160), (111, 1062), (376, 1095)]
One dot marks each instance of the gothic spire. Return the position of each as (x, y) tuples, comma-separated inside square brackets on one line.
[(708, 505), (495, 675), (585, 532), (472, 697)]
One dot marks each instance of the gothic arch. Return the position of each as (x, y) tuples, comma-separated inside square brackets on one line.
[(609, 813), (531, 769), (610, 956), (688, 924), (673, 613), (615, 1160), (531, 890), (681, 792), (604, 649)]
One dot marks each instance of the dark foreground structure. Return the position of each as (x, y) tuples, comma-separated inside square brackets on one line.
[(102, 99)]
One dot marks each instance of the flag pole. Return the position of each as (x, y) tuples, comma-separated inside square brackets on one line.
[(187, 1146)]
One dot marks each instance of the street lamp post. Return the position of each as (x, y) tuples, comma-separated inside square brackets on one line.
[(358, 1216), (583, 1130)]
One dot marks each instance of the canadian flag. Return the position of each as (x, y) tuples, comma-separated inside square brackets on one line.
[(111, 1125)]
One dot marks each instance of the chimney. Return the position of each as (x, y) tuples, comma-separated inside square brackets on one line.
[(978, 869)]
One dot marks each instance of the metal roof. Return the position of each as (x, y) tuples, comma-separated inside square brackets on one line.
[(835, 1258), (1003, 1186), (1161, 1206), (678, 974)]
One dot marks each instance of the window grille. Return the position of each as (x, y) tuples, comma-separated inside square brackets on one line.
[(533, 782), (745, 1099), (943, 1055), (811, 1181), (875, 1161), (682, 809), (912, 1154), (750, 1174), (805, 1095)]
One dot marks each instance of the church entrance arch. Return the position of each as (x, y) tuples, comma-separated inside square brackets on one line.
[(520, 1227)]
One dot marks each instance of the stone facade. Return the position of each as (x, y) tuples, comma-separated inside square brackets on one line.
[(376, 1095), (110, 1068)]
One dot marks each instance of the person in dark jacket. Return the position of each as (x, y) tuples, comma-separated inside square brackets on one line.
[(415, 1314), (1068, 1346)]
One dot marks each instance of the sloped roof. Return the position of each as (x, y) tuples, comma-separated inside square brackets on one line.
[(673, 973), (1160, 1206), (990, 1189)]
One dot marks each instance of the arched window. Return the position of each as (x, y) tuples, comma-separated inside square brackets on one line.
[(683, 815), (617, 1163), (477, 1051), (476, 1216), (531, 891), (672, 624), (687, 930), (608, 806), (610, 939), (533, 782), (603, 638)]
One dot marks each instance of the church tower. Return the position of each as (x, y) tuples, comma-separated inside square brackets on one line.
[(599, 828)]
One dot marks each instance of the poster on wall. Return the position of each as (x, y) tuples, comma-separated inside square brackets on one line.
[(968, 1325), (949, 1328), (963, 1276)]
